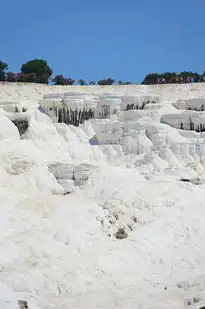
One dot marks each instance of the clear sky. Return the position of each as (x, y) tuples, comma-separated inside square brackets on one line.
[(93, 39)]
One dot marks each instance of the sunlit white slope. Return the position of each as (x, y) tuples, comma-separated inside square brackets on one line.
[(66, 191)]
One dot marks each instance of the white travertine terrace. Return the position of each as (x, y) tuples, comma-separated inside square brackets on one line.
[(102, 196)]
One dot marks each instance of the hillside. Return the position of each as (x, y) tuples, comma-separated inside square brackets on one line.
[(102, 196)]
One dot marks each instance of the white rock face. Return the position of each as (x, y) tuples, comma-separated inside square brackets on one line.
[(197, 104), (130, 102), (191, 120), (93, 163)]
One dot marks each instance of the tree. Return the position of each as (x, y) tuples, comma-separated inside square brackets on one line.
[(172, 77), (197, 77), (3, 68), (27, 78), (70, 81), (39, 67), (11, 77), (92, 83), (81, 82), (42, 79), (152, 78), (107, 81), (59, 80)]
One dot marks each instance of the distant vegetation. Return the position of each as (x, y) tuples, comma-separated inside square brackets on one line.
[(173, 78), (3, 69), (38, 71)]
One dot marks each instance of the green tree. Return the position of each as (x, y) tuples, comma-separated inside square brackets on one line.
[(81, 82), (152, 78), (63, 81), (3, 68), (69, 81), (168, 77), (59, 80), (106, 81), (39, 67)]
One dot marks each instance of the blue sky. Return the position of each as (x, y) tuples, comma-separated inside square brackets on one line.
[(123, 39)]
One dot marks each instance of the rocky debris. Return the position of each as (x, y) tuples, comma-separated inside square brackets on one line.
[(121, 234), (23, 304), (21, 124), (115, 222)]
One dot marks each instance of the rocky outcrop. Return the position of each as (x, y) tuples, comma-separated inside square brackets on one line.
[(121, 234)]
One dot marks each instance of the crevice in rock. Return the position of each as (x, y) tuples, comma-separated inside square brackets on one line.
[(21, 124)]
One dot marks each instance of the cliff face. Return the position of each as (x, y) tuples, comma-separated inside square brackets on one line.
[(74, 109)]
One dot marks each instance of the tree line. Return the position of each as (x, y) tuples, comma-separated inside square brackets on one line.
[(173, 78), (38, 71)]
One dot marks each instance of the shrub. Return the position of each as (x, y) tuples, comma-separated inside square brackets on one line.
[(11, 77), (107, 81), (81, 82), (27, 78)]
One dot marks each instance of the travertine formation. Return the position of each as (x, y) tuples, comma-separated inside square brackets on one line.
[(102, 196)]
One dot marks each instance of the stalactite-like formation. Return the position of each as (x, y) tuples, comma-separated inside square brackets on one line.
[(135, 102), (199, 127), (75, 108), (132, 107), (104, 112), (63, 114)]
